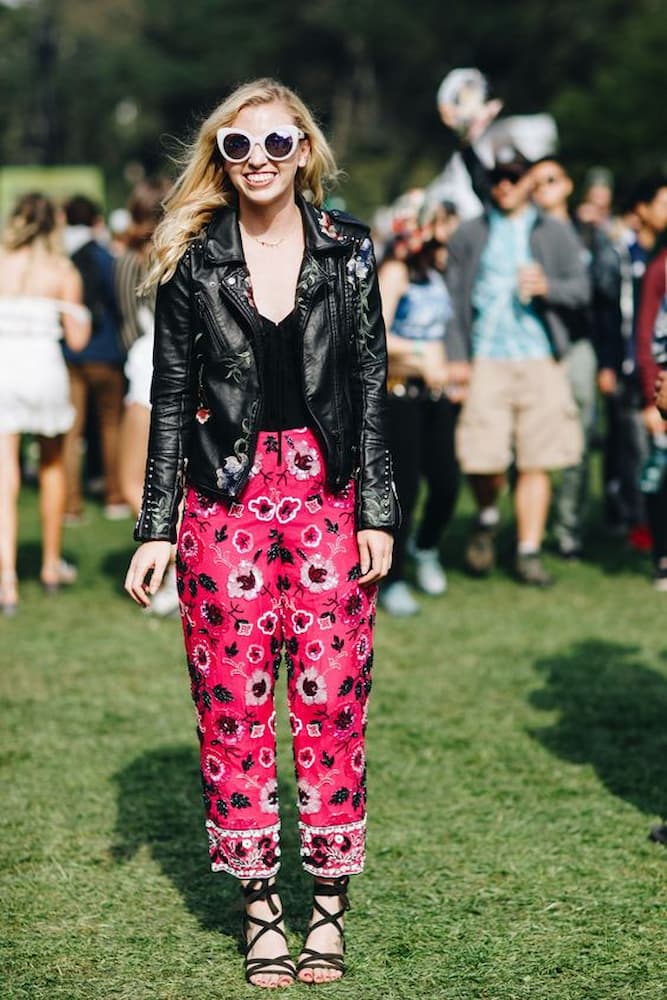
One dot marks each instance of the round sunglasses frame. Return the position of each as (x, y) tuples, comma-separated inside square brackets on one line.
[(293, 131)]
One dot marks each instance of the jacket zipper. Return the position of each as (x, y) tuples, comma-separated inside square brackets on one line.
[(210, 322), (335, 340), (251, 316), (348, 307), (302, 328), (256, 417)]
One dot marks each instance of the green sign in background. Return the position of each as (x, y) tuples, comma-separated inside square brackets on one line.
[(58, 183)]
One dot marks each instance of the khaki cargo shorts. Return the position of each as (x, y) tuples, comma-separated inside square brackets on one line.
[(520, 409)]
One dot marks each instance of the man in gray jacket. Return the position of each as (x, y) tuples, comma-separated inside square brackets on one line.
[(514, 275)]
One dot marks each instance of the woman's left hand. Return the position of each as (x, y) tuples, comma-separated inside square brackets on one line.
[(375, 548)]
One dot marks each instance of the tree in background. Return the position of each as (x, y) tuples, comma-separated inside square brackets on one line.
[(110, 83)]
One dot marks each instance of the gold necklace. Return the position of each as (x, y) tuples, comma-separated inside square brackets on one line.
[(266, 243)]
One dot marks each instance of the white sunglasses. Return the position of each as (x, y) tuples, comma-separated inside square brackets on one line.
[(279, 143)]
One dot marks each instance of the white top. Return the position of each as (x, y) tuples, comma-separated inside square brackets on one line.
[(36, 316), (34, 382)]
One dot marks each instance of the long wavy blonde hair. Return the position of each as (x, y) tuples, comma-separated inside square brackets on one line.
[(203, 186)]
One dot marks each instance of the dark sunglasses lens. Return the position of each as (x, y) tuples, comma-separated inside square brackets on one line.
[(503, 175), (236, 146), (278, 145)]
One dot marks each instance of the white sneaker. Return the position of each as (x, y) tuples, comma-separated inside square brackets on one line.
[(397, 600), (165, 604), (117, 511), (429, 574)]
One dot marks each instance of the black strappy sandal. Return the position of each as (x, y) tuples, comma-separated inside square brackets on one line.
[(282, 965), (311, 959)]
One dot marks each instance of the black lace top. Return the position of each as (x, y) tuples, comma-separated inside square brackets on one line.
[(284, 405)]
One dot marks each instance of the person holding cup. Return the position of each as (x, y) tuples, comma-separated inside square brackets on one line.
[(514, 275)]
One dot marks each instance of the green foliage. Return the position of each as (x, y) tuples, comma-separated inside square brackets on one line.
[(109, 83), (618, 119)]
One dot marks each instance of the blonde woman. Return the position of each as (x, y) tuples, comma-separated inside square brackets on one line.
[(40, 303), (268, 413)]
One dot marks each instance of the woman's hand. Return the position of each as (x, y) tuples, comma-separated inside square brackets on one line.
[(375, 548), (150, 558), (607, 381), (459, 379), (435, 370), (652, 420), (660, 397)]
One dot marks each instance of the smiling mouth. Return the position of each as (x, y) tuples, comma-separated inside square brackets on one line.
[(259, 179)]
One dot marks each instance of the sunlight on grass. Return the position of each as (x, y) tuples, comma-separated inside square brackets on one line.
[(517, 748)]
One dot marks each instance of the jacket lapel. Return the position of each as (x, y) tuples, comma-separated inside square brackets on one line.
[(224, 250)]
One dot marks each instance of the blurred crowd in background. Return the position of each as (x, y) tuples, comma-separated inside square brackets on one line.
[(526, 322)]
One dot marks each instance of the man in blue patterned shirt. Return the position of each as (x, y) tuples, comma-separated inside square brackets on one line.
[(514, 276)]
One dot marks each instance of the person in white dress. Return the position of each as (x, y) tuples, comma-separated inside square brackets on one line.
[(41, 300), (137, 310)]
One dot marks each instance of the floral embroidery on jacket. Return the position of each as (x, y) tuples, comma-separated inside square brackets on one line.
[(236, 366), (310, 273), (358, 274), (328, 228)]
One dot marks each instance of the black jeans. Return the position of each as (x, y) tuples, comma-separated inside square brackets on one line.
[(626, 447), (421, 435), (656, 508)]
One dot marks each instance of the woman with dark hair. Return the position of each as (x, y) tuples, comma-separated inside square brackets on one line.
[(423, 405), (40, 303), (268, 414)]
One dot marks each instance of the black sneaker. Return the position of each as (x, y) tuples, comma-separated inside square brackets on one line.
[(529, 570), (570, 552), (659, 834), (480, 552)]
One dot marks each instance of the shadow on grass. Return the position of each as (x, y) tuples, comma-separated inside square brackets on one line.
[(611, 553), (159, 807), (115, 563), (613, 715), (29, 559)]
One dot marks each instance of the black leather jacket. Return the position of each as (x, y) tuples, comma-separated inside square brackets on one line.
[(207, 392)]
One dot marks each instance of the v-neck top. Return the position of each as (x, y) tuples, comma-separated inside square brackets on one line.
[(284, 403)]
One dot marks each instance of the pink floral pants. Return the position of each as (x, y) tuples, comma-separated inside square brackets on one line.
[(277, 572)]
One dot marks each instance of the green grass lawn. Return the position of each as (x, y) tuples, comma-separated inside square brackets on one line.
[(517, 751)]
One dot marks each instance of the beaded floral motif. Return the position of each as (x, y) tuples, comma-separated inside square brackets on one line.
[(330, 851), (244, 853)]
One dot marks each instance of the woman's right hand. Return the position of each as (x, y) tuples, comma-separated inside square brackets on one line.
[(607, 381), (150, 558), (660, 397), (652, 420)]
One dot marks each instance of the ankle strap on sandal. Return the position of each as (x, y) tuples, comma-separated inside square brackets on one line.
[(261, 889), (338, 887)]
